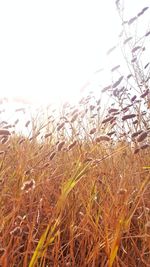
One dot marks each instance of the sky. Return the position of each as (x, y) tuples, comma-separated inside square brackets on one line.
[(50, 50)]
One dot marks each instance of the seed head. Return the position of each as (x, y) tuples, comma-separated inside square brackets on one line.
[(107, 119), (145, 146), (60, 126), (129, 116), (47, 135), (60, 145), (92, 131), (28, 185), (103, 138), (4, 132), (52, 155), (142, 136), (4, 139), (27, 123), (72, 145)]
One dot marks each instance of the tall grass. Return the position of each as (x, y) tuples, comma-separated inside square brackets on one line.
[(75, 188)]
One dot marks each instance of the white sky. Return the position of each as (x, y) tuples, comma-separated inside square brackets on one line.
[(50, 49)]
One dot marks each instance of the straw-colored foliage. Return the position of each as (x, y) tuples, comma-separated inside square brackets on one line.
[(75, 186)]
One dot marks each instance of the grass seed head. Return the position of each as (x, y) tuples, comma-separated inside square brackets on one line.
[(60, 145), (47, 135), (74, 118), (52, 155), (60, 126), (112, 110), (72, 145), (92, 131), (129, 116), (136, 133), (4, 139), (142, 137), (145, 93), (144, 146), (133, 98), (27, 124), (108, 119), (103, 138), (4, 132), (28, 185), (21, 141), (136, 151)]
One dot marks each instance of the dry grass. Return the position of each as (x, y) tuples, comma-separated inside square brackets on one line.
[(78, 197), (75, 189)]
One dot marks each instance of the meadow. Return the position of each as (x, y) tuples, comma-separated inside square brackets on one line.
[(74, 189)]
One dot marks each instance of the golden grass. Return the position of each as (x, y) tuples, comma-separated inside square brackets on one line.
[(79, 212), (74, 191)]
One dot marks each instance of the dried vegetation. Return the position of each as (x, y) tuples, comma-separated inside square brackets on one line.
[(74, 191)]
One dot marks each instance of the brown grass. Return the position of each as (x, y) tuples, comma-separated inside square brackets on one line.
[(82, 202), (74, 190)]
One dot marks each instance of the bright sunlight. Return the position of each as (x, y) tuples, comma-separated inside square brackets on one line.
[(51, 49)]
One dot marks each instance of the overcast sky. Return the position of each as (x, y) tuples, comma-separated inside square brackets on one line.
[(50, 49)]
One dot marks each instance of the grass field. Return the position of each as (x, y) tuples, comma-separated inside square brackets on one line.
[(75, 184), (75, 193)]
